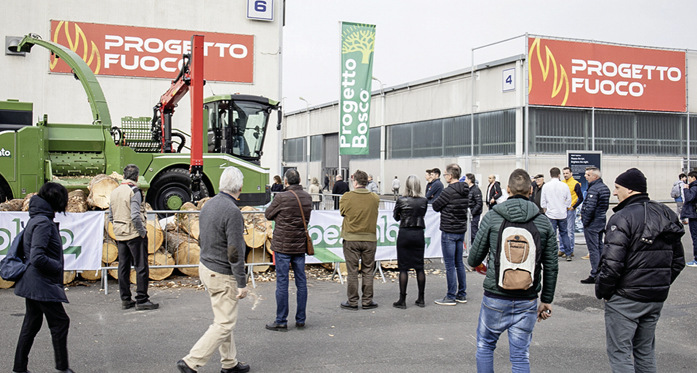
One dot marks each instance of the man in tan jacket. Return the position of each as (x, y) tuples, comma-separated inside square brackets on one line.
[(360, 211), (127, 214)]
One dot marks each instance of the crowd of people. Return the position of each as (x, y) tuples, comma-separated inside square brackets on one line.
[(635, 255)]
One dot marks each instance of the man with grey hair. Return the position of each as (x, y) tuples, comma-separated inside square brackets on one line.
[(372, 186), (593, 216), (221, 270), (127, 214)]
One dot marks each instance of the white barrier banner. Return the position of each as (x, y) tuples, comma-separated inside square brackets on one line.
[(325, 230), (82, 235)]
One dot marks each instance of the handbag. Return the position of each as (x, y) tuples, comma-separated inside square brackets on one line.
[(310, 247)]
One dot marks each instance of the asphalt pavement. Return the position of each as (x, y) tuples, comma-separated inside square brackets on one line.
[(104, 338)]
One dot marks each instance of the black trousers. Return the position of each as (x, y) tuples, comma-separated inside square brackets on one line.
[(58, 323), (134, 252)]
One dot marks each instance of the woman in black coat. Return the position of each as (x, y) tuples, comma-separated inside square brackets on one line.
[(42, 283), (409, 211)]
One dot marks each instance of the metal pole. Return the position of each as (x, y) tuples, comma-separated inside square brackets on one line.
[(382, 136), (307, 143), (592, 128)]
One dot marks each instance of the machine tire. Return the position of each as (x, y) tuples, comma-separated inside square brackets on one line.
[(171, 190), (5, 191)]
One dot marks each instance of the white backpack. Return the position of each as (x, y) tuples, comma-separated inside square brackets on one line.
[(519, 255)]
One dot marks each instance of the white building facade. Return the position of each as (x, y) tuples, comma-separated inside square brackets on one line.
[(631, 104), (142, 40)]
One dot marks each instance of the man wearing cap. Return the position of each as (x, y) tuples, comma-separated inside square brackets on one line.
[(593, 216), (641, 258), (434, 186), (576, 200)]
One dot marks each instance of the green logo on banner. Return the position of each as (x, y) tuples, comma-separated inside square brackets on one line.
[(357, 47)]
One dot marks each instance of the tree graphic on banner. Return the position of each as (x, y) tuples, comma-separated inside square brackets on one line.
[(359, 40)]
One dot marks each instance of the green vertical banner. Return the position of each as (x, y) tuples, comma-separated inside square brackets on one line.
[(357, 47)]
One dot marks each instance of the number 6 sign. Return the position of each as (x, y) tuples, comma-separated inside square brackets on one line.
[(260, 10)]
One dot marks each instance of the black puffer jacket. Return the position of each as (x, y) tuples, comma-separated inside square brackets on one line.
[(289, 233), (642, 254), (476, 203), (410, 211), (595, 205), (452, 205), (43, 279)]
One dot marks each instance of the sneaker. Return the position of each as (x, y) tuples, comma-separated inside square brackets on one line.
[(127, 304), (568, 258), (560, 253), (692, 263), (586, 257), (461, 299), (277, 327), (445, 302), (589, 280), (148, 305)]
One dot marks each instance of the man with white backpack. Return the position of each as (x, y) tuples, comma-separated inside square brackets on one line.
[(521, 248)]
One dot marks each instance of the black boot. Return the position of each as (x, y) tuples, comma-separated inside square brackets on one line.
[(401, 303)]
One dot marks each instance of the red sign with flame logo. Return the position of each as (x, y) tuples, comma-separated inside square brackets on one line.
[(568, 73), (152, 52)]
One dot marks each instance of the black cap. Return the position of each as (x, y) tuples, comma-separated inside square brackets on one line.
[(538, 176), (632, 179)]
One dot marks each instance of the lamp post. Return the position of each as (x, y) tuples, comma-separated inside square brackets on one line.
[(382, 181), (307, 142)]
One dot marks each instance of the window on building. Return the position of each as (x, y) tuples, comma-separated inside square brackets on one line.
[(494, 133), (556, 131), (373, 145), (316, 150), (294, 150)]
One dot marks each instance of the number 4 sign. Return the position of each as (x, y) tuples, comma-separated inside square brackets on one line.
[(260, 10), (509, 80)]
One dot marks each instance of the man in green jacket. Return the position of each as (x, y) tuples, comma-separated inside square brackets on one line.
[(360, 211), (513, 310)]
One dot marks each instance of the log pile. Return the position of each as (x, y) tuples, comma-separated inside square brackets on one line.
[(177, 244)]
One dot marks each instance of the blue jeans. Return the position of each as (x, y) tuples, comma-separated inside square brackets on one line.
[(453, 246), (594, 242), (692, 223), (498, 315), (283, 262), (571, 227), (564, 245)]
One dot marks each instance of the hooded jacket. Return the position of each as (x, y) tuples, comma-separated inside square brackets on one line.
[(43, 279), (452, 204), (517, 209), (642, 254)]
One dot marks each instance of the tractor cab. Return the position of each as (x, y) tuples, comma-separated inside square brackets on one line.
[(237, 124)]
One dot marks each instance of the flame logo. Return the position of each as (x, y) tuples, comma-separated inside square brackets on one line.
[(77, 42), (561, 79)]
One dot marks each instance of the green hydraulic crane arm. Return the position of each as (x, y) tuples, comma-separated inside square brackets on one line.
[(95, 96)]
